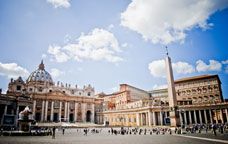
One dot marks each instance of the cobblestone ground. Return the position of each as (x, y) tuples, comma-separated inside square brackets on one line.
[(73, 137)]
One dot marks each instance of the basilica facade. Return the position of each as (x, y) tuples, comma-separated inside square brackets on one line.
[(198, 99), (49, 101)]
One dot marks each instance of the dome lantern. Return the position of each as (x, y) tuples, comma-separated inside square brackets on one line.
[(41, 66)]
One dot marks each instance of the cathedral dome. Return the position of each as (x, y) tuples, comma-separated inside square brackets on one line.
[(40, 75)]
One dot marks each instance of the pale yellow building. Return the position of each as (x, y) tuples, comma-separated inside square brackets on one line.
[(199, 101)]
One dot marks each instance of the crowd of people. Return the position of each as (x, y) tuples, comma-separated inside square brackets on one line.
[(139, 131), (198, 128)]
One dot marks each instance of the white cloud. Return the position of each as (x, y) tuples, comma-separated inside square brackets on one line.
[(225, 62), (111, 26), (162, 21), (212, 66), (43, 56), (157, 68), (226, 65), (58, 55), (59, 3), (55, 73), (4, 91), (124, 45), (12, 70), (183, 67), (67, 38), (155, 87), (114, 89), (96, 45)]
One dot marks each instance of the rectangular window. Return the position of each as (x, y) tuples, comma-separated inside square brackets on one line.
[(18, 87)]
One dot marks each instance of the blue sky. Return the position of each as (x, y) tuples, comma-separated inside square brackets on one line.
[(108, 42)]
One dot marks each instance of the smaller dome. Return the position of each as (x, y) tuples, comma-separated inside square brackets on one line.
[(40, 75)]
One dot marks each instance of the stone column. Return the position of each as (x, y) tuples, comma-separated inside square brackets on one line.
[(84, 112), (161, 118), (181, 118), (145, 119), (190, 117), (42, 111), (17, 113), (149, 118), (216, 116), (75, 111), (60, 111), (93, 113), (185, 118), (221, 116), (195, 118), (52, 110), (46, 111), (141, 119), (226, 114), (137, 119), (65, 111), (98, 119), (210, 114), (125, 123), (68, 111), (34, 108), (5, 110), (205, 116), (200, 116), (154, 119), (166, 114)]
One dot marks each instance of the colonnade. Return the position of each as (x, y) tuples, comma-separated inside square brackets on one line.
[(203, 116), (153, 118), (82, 112), (187, 117)]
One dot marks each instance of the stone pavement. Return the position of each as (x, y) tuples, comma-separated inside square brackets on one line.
[(211, 136), (73, 136)]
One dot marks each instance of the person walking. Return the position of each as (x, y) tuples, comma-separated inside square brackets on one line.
[(53, 133), (63, 130), (214, 129)]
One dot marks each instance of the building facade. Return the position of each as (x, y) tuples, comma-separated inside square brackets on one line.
[(199, 100), (49, 102)]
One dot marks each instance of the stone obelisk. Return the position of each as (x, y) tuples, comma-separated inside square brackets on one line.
[(174, 120)]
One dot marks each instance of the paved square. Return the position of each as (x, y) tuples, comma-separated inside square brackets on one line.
[(72, 136)]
